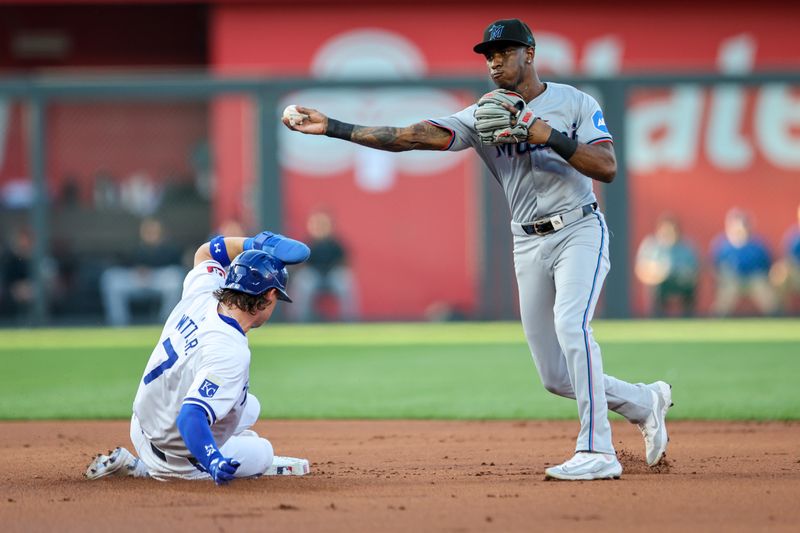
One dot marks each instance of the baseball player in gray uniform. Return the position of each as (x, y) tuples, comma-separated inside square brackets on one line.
[(544, 143)]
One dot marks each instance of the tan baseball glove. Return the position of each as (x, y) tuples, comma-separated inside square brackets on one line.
[(502, 117)]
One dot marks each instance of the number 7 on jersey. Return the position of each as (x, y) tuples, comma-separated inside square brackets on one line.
[(172, 358)]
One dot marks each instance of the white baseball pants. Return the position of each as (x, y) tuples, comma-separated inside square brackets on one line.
[(253, 452)]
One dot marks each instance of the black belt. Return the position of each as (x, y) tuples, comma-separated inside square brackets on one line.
[(161, 455), (553, 223)]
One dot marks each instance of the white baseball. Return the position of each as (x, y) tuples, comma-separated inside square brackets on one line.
[(294, 116)]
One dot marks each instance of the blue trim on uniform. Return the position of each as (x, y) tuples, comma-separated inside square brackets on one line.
[(452, 133), (203, 404), (219, 251), (603, 138), (232, 322), (586, 335)]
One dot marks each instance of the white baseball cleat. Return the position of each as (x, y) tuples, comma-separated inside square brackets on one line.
[(287, 466), (586, 466), (119, 462), (654, 429)]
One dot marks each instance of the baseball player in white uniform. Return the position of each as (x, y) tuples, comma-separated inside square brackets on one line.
[(544, 143), (192, 413)]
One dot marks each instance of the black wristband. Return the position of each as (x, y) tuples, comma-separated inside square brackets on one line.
[(339, 130), (561, 144)]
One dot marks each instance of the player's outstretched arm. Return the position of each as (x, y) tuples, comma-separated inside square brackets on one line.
[(419, 136)]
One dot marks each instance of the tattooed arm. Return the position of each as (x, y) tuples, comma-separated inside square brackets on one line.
[(419, 136)]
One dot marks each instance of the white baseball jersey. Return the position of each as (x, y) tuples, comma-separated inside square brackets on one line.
[(536, 180), (202, 358)]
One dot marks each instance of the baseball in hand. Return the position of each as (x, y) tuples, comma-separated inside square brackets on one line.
[(294, 116)]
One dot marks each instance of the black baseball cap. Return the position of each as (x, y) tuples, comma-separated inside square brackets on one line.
[(510, 31)]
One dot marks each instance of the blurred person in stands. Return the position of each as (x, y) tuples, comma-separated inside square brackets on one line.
[(231, 228), (155, 271), (785, 273), (742, 262), (668, 265), (16, 267), (325, 272)]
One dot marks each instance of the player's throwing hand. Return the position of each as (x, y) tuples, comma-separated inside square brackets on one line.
[(315, 124), (222, 469)]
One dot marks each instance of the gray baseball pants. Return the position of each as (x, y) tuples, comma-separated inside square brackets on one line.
[(560, 276)]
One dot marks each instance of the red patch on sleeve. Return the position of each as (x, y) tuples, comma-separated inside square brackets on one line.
[(218, 270)]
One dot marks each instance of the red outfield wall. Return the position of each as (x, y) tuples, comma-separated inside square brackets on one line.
[(694, 153)]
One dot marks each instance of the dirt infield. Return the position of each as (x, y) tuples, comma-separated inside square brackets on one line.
[(416, 475)]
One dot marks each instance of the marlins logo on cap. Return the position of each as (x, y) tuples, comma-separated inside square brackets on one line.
[(512, 31), (496, 31)]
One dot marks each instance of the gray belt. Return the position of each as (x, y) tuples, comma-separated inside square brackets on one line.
[(553, 223)]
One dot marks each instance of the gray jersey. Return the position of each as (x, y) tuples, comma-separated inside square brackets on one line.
[(559, 275), (536, 180)]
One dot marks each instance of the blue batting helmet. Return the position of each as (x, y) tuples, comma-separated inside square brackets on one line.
[(255, 272)]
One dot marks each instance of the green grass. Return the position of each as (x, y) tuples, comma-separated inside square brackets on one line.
[(737, 369)]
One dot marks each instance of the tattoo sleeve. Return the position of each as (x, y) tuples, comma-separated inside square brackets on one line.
[(419, 136)]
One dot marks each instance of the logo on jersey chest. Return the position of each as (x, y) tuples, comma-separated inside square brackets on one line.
[(208, 389), (514, 150), (511, 150)]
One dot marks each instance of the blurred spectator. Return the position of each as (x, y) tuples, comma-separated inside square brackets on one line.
[(140, 194), (785, 273), (232, 228), (326, 272), (17, 193), (16, 267), (70, 194), (201, 158), (155, 272), (668, 266), (105, 191), (742, 262), (443, 311)]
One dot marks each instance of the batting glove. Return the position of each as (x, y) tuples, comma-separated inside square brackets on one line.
[(290, 251), (222, 469)]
